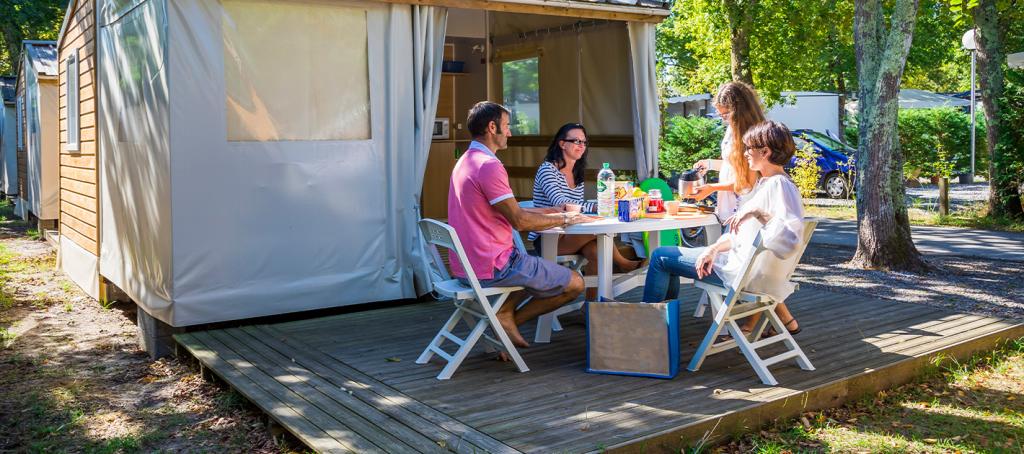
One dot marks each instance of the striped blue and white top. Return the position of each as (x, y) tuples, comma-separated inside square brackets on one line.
[(550, 190)]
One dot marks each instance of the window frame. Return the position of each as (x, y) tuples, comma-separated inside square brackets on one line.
[(367, 137), (519, 55), (72, 96)]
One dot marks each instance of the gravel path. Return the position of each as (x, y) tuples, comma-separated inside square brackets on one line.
[(926, 197), (964, 284)]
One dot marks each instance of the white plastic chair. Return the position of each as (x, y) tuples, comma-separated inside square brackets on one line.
[(475, 305), (545, 325), (729, 305)]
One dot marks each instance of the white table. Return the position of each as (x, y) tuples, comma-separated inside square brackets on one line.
[(605, 231)]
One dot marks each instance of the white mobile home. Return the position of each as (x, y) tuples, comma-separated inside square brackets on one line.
[(8, 139), (36, 105), (260, 157)]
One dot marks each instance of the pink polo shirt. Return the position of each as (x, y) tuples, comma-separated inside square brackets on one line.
[(478, 182)]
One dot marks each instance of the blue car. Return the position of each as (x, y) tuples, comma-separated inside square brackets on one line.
[(835, 161)]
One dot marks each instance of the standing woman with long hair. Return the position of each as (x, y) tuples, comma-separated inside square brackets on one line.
[(740, 108)]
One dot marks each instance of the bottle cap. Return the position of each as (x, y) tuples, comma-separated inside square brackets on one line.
[(606, 165)]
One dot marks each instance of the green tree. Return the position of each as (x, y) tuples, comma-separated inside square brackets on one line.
[(998, 27), (688, 140), (795, 45), (26, 19), (882, 37)]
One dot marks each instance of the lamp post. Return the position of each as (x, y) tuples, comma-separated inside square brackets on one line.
[(970, 44)]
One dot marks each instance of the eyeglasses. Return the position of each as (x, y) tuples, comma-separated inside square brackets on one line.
[(576, 141)]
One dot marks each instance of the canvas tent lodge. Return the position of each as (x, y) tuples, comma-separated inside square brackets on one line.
[(36, 112), (226, 188), (8, 139), (79, 206)]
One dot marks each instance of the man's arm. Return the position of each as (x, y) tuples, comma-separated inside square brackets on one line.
[(525, 220)]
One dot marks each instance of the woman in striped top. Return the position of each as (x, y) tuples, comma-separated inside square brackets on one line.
[(560, 181)]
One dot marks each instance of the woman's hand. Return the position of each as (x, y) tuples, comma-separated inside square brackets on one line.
[(735, 221), (701, 192), (706, 263), (701, 168)]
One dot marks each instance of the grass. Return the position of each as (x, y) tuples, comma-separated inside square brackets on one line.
[(7, 211), (972, 406), (974, 216)]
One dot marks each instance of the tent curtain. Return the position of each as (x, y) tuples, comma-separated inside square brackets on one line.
[(428, 30), (646, 122)]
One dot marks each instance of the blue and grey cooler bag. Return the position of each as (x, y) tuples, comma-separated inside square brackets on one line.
[(639, 339)]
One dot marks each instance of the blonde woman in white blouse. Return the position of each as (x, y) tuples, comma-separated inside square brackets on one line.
[(773, 208)]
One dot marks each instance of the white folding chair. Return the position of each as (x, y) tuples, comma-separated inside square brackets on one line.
[(731, 304), (547, 324), (474, 305)]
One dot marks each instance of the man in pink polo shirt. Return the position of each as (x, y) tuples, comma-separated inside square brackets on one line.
[(483, 211)]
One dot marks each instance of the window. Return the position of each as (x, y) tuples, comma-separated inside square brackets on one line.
[(72, 95), (21, 122), (520, 82), (295, 71)]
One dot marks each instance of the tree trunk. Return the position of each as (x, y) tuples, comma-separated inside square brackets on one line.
[(741, 24), (990, 78), (883, 226)]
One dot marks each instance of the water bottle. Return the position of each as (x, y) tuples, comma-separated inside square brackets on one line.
[(606, 192)]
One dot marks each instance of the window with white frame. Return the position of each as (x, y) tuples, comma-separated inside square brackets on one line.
[(72, 95), (313, 86)]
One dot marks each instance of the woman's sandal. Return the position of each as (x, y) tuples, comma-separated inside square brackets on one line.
[(771, 329), (727, 337)]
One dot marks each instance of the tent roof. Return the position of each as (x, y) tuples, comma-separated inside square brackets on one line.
[(1015, 60), (43, 56), (676, 99), (7, 88), (920, 99)]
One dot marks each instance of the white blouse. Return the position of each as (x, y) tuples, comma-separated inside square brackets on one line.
[(782, 237), (728, 203)]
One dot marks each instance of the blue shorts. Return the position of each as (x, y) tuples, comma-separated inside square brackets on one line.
[(541, 278)]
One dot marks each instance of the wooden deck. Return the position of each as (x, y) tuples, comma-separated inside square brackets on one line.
[(349, 382)]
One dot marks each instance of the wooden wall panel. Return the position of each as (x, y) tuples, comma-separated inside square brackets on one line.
[(78, 168)]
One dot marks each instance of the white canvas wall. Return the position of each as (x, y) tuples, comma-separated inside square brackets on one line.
[(41, 143), (197, 228), (134, 152)]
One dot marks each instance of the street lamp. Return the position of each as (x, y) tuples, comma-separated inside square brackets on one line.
[(970, 44)]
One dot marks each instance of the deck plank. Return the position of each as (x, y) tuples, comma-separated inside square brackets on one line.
[(391, 401), (336, 429), (331, 400), (557, 407), (296, 423)]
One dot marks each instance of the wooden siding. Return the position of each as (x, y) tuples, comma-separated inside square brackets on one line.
[(79, 211), (22, 153)]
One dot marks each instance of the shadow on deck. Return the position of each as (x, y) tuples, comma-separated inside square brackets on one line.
[(349, 382)]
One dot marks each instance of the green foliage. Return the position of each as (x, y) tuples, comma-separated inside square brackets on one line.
[(688, 140), (1010, 149), (938, 142), (805, 173), (26, 19), (799, 46), (936, 61)]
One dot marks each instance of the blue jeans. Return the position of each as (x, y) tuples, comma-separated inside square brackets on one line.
[(668, 263)]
